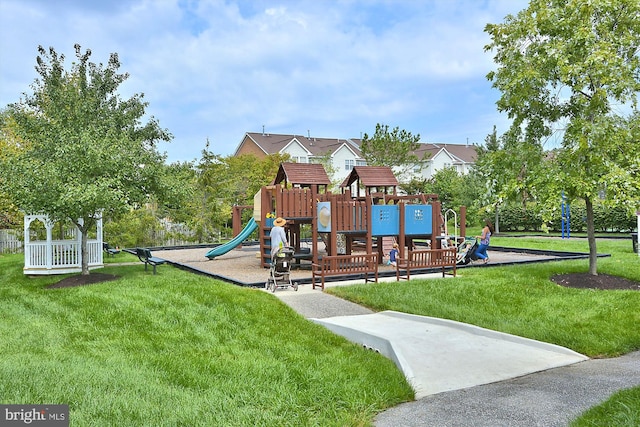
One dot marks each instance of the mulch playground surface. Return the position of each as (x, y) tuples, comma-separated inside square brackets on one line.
[(572, 280)]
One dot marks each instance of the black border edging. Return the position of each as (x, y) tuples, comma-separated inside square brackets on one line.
[(559, 256), (248, 243)]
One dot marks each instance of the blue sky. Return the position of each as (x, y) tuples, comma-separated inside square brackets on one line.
[(215, 69)]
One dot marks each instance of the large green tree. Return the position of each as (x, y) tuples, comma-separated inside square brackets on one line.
[(572, 68), (225, 181), (10, 144), (88, 152), (393, 148)]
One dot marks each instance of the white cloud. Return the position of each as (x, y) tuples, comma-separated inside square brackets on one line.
[(218, 69)]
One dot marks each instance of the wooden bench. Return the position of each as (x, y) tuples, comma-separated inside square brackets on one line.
[(145, 256), (109, 250), (343, 265), (426, 259)]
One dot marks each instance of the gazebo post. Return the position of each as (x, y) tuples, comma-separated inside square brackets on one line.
[(49, 248)]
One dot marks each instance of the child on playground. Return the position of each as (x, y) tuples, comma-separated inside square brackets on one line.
[(393, 255)]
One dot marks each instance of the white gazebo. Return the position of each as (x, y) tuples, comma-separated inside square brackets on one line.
[(61, 256)]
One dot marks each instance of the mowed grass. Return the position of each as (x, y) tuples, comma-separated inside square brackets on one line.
[(522, 300), (179, 349), (620, 410)]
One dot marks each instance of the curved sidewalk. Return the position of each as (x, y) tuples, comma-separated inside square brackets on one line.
[(470, 376), (550, 398)]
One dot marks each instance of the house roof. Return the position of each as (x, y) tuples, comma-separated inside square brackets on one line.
[(303, 174), (371, 176), (460, 153), (318, 147), (275, 143)]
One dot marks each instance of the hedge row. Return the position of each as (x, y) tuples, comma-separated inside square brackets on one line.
[(606, 219)]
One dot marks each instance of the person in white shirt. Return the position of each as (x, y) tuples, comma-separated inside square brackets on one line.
[(278, 236)]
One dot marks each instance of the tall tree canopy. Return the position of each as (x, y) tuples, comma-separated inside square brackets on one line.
[(393, 148), (225, 181), (573, 67), (10, 144), (88, 151)]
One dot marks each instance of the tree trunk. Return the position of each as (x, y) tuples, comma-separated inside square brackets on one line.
[(591, 237), (496, 225), (84, 259)]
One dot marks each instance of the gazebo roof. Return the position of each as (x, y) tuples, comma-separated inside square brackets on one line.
[(302, 174)]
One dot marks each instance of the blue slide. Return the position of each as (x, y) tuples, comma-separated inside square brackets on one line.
[(224, 248)]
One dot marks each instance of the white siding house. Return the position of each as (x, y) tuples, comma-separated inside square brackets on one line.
[(345, 154)]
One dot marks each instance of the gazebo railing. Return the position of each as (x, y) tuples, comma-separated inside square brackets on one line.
[(60, 255)]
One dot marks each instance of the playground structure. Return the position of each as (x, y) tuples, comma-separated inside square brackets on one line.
[(367, 209)]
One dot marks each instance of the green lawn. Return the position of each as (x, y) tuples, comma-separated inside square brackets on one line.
[(620, 410), (179, 349), (521, 300)]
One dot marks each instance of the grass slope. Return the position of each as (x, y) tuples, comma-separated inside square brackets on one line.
[(178, 349), (521, 300)]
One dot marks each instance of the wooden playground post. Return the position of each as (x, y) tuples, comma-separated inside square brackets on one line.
[(333, 235), (236, 218), (314, 229), (266, 200), (369, 204), (402, 241), (436, 219)]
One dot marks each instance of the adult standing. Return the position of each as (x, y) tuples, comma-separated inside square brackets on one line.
[(485, 238), (278, 236)]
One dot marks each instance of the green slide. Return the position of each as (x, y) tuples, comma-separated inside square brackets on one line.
[(224, 248)]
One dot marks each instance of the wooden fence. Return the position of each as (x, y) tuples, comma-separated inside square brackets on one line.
[(11, 241)]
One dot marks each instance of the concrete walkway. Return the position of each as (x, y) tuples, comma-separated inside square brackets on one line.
[(464, 375), (438, 355), (551, 398)]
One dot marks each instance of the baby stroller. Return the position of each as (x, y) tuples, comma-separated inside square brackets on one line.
[(467, 251), (280, 269)]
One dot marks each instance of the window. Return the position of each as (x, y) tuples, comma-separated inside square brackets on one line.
[(361, 162), (348, 164), (299, 159)]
